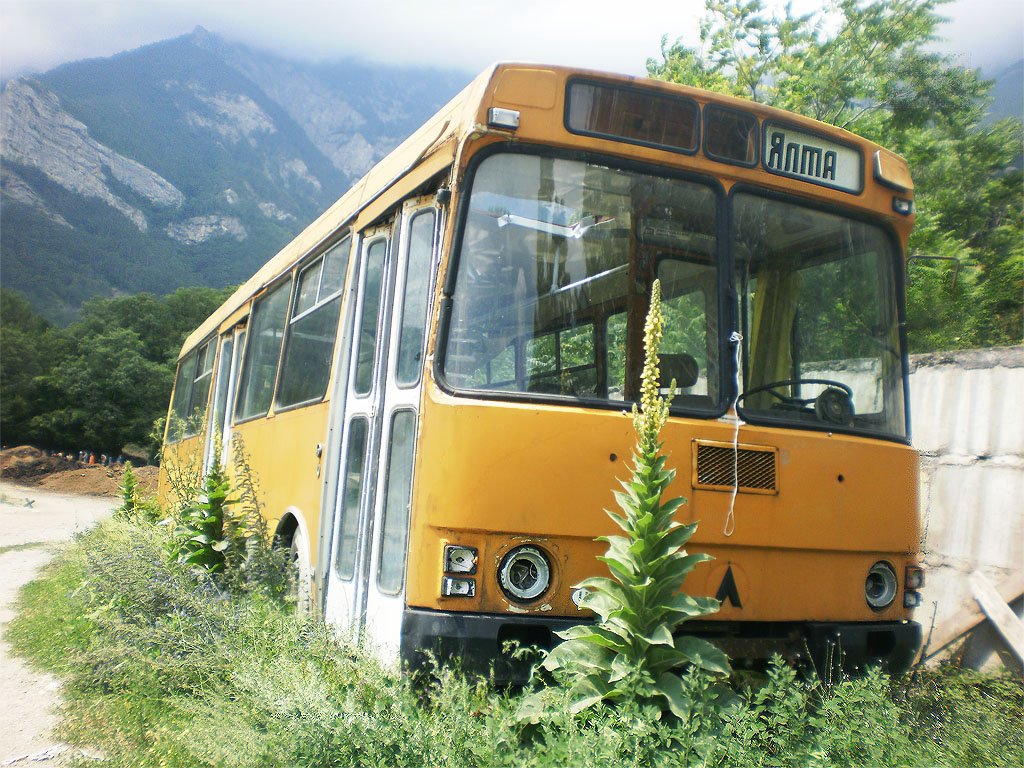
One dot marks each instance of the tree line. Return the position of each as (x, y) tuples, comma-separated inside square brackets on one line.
[(100, 383)]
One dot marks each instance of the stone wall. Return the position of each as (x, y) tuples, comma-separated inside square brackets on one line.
[(967, 412)]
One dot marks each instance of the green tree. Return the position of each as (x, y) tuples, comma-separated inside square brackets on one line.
[(105, 393), (864, 66), (101, 382), (29, 347), (162, 323)]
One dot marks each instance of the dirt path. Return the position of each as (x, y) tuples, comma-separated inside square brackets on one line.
[(29, 699)]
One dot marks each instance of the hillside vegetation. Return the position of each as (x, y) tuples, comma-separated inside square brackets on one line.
[(99, 384)]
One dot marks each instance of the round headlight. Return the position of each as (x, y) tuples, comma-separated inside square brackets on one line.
[(881, 586), (524, 574)]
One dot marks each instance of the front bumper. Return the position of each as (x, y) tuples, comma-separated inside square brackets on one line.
[(477, 642)]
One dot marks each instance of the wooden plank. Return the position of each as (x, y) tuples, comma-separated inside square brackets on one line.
[(971, 615), (995, 607)]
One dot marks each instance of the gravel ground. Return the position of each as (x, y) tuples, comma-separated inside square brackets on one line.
[(33, 520)]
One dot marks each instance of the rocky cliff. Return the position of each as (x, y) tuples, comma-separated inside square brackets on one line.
[(188, 161)]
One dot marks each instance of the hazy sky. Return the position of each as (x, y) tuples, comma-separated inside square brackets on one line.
[(36, 35)]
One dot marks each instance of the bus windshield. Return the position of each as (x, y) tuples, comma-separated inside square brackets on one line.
[(554, 271), (818, 318)]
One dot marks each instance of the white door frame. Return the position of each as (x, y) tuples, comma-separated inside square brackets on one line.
[(359, 605)]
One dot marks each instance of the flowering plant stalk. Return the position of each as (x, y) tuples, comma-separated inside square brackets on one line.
[(634, 651)]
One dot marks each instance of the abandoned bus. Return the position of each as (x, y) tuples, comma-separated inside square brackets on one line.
[(430, 381)]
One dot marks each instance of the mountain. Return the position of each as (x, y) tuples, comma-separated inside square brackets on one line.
[(1008, 93), (189, 161)]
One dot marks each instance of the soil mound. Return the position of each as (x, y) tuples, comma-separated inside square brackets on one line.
[(31, 466), (26, 464)]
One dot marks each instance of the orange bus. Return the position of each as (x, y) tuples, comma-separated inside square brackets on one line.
[(430, 381)]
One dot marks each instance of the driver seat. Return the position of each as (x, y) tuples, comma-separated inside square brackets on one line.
[(681, 367)]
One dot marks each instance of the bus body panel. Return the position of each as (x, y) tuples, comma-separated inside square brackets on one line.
[(545, 474), (282, 454), (494, 474)]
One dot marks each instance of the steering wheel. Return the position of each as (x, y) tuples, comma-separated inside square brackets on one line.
[(834, 404)]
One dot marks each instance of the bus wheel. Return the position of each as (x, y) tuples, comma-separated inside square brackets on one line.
[(300, 576)]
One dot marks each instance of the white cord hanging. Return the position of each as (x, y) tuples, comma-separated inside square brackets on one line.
[(730, 519)]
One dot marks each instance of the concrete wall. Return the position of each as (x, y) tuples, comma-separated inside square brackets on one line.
[(967, 411)]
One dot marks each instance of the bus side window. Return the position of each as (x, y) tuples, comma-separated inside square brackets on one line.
[(691, 326), (182, 396), (259, 370), (191, 393), (562, 362), (615, 339), (196, 419), (306, 365)]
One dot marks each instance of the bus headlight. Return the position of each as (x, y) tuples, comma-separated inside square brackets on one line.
[(524, 574), (880, 587)]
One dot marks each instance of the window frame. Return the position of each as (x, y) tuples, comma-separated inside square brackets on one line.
[(245, 368), (387, 238), (172, 414), (319, 303), (709, 110), (364, 459), (619, 86), (386, 454), (721, 257), (399, 313), (899, 287)]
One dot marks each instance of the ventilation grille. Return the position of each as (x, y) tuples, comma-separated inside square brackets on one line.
[(720, 467)]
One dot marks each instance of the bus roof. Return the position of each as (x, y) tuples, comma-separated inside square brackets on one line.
[(436, 143)]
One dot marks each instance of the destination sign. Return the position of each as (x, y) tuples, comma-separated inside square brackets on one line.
[(812, 158)]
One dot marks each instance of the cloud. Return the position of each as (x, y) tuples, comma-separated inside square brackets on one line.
[(460, 34)]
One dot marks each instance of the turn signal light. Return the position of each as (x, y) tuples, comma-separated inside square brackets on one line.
[(457, 587), (913, 577), (459, 559), (503, 118), (903, 206)]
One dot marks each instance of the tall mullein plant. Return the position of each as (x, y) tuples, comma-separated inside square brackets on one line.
[(634, 651)]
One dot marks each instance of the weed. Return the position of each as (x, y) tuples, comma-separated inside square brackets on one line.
[(633, 652), (165, 666), (134, 504)]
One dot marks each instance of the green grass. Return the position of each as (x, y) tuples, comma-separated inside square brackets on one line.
[(164, 668), (25, 545)]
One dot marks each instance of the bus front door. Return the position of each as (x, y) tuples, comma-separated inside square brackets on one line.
[(366, 585)]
